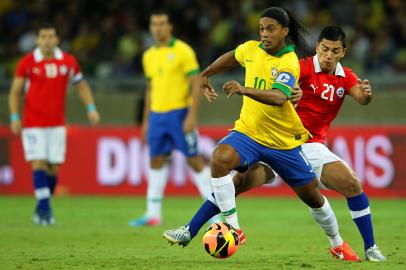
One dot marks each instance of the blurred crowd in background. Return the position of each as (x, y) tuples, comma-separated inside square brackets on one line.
[(109, 37)]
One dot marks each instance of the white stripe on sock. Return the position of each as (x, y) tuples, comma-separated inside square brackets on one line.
[(42, 193), (361, 213)]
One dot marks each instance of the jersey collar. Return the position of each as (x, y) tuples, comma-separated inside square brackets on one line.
[(339, 68), (289, 48), (39, 57), (171, 42)]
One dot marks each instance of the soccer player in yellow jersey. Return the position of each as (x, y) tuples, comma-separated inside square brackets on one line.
[(170, 113), (268, 130)]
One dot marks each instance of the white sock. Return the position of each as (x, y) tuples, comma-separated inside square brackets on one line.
[(328, 222), (156, 186), (202, 182), (224, 191)]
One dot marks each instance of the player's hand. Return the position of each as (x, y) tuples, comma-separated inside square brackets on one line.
[(15, 127), (190, 124), (207, 89), (365, 87), (94, 117), (296, 96), (233, 87)]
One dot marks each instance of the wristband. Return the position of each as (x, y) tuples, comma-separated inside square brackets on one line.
[(91, 107), (14, 117)]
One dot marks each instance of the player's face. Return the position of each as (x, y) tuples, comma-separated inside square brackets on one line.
[(47, 40), (329, 54), (160, 27), (272, 33)]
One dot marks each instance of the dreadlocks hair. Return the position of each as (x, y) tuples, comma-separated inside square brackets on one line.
[(297, 32)]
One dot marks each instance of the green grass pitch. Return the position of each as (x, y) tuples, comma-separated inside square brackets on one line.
[(92, 233)]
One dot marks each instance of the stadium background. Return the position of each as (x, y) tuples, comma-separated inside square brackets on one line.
[(109, 37)]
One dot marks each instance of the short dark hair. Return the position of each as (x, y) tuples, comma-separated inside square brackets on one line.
[(333, 33), (162, 12), (47, 25)]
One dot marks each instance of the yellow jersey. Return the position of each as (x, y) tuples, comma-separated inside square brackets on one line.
[(272, 126), (168, 69)]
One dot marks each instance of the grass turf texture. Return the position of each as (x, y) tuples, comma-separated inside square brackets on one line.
[(92, 233)]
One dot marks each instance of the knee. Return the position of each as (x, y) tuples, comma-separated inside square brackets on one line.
[(352, 187), (157, 162), (39, 165), (223, 157), (196, 163)]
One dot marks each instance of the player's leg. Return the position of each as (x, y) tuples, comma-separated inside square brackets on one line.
[(52, 173), (210, 208), (201, 175), (224, 159), (35, 151), (295, 169), (160, 147), (56, 154), (317, 154), (258, 174), (188, 145), (157, 179), (42, 214), (339, 177)]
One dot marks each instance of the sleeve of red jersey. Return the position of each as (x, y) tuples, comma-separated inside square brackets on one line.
[(22, 68), (76, 75), (351, 80)]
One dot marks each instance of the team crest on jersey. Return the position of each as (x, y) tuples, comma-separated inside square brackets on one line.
[(171, 56), (274, 72), (63, 70), (340, 92)]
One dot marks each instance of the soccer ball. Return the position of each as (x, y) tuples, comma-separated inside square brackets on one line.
[(221, 240)]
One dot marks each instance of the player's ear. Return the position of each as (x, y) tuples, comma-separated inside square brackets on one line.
[(343, 53), (285, 31)]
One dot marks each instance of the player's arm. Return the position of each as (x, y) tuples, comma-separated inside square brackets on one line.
[(274, 96), (85, 94), (147, 109), (190, 123), (362, 92), (223, 63), (13, 103)]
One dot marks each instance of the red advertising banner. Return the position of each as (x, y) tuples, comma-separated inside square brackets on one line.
[(113, 161)]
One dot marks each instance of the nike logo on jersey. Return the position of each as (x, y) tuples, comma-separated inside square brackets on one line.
[(249, 61)]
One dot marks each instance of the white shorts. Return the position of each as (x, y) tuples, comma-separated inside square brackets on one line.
[(318, 154), (47, 144)]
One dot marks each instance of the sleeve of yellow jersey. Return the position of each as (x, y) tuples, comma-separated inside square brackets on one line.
[(190, 65), (288, 74), (147, 73), (239, 53)]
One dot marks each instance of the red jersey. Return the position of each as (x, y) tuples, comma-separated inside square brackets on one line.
[(46, 85), (323, 95)]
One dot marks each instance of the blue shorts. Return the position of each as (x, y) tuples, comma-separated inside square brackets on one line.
[(165, 133), (291, 165)]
